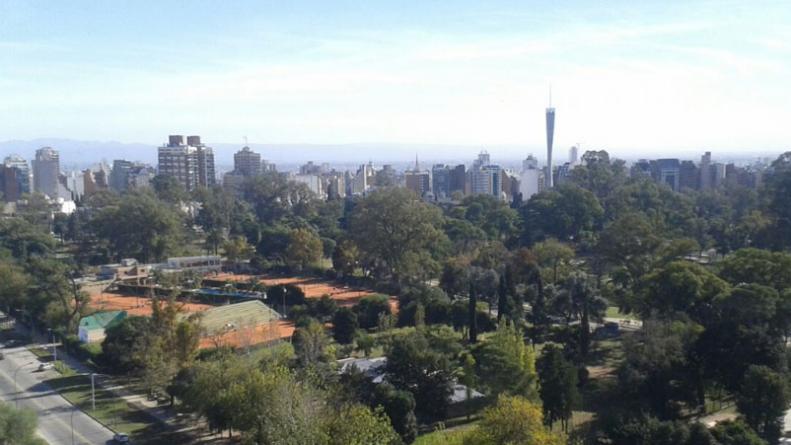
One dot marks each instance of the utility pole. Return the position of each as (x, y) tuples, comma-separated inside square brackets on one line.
[(93, 392)]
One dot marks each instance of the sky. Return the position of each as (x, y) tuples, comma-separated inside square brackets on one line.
[(629, 76)]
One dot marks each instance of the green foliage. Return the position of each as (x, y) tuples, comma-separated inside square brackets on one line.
[(304, 249), (655, 372), (412, 365), (344, 325), (370, 309), (558, 386), (763, 400), (680, 286), (399, 236), (506, 364), (735, 433), (513, 420), (358, 425), (13, 284), (140, 227), (310, 344), (563, 213), (18, 427), (759, 267)]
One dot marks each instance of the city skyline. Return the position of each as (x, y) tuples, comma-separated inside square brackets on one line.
[(685, 72)]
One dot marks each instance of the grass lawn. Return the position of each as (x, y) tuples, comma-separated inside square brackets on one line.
[(613, 312), (452, 436), (43, 354), (110, 410)]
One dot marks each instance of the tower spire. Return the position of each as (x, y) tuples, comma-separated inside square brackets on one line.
[(417, 164)]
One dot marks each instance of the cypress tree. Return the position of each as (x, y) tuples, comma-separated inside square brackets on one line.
[(473, 312)]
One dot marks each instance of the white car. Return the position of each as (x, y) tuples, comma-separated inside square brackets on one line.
[(45, 366)]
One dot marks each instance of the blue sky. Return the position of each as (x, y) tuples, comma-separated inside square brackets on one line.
[(668, 76)]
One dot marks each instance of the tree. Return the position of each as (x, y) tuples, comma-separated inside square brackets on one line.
[(168, 189), (237, 250), (563, 212), (310, 343), (400, 408), (763, 400), (18, 427), (554, 256), (140, 227), (778, 186), (506, 364), (358, 425), (399, 236), (472, 315), (558, 386), (345, 258), (344, 325), (14, 282), (365, 342), (304, 249), (370, 309), (680, 286), (513, 420), (55, 297), (735, 432), (654, 372), (119, 343), (757, 266), (412, 365)]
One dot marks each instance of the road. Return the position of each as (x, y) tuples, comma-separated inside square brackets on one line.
[(55, 414)]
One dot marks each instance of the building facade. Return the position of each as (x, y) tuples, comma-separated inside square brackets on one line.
[(46, 172), (190, 163)]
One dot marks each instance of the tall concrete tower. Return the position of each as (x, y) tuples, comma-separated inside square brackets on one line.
[(550, 137)]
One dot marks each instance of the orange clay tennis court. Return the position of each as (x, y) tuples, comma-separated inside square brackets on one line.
[(312, 287), (257, 335), (136, 305)]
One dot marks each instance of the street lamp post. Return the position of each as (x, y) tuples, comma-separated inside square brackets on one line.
[(71, 420), (93, 392)]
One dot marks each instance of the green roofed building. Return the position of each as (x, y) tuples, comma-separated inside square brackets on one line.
[(93, 326)]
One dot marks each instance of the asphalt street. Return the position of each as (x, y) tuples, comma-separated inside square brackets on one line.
[(59, 423)]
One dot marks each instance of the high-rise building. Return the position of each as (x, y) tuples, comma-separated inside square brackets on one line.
[(705, 171), (246, 162), (126, 175), (192, 164), (550, 113), (667, 171), (119, 175), (417, 180), (46, 172), (14, 178), (574, 155), (440, 181), (689, 176), (458, 179), (529, 178), (718, 174)]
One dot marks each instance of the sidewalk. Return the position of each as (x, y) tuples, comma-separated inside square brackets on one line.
[(161, 413)]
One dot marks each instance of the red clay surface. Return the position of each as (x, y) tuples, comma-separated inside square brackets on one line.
[(241, 338), (312, 287), (136, 305)]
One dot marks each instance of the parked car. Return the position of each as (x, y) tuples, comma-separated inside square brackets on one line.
[(45, 366), (121, 438)]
